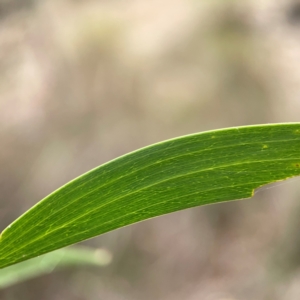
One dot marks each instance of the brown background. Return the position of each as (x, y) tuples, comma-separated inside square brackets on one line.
[(82, 82)]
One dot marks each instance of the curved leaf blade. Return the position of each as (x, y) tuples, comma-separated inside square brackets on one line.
[(193, 170)]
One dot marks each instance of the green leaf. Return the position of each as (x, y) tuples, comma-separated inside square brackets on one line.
[(44, 264), (193, 170)]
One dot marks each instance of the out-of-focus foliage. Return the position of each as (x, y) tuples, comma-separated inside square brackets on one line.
[(82, 82), (67, 257)]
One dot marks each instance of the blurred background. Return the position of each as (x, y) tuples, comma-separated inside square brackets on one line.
[(82, 82)]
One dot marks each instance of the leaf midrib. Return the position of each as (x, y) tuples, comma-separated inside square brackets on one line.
[(136, 191)]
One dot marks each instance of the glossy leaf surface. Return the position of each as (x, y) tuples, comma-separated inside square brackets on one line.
[(193, 170)]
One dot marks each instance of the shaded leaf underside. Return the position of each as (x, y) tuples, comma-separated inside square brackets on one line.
[(193, 170)]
